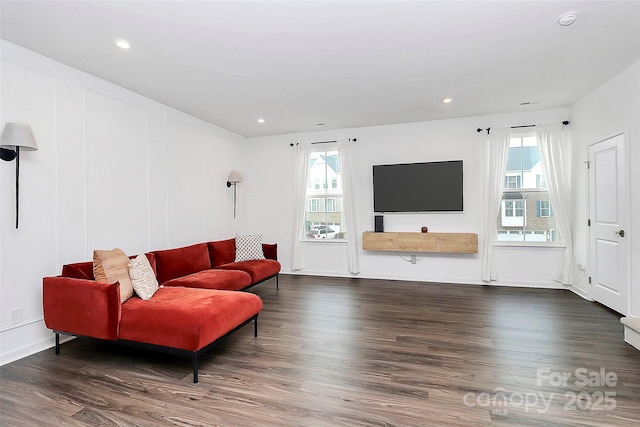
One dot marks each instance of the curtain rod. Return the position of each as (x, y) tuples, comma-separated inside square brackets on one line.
[(565, 122), (322, 142)]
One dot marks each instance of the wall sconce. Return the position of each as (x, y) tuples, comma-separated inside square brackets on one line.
[(234, 179), (16, 136)]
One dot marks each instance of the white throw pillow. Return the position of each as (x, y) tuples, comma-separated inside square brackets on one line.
[(249, 247), (142, 276)]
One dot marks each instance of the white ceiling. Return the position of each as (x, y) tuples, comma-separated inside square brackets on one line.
[(342, 63)]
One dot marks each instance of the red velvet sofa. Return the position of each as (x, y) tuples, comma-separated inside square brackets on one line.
[(197, 303)]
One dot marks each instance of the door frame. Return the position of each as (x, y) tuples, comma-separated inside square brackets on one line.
[(590, 193)]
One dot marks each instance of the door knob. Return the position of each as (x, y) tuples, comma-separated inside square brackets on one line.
[(620, 233)]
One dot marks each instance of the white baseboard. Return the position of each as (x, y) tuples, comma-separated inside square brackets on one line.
[(580, 292), (452, 280), (525, 284), (26, 350), (344, 275), (30, 349)]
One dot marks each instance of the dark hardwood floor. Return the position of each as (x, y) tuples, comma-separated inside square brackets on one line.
[(355, 352)]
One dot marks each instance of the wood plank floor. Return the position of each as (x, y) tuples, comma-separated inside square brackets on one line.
[(355, 352)]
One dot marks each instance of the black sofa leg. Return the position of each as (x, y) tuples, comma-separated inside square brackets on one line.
[(195, 368), (57, 343), (255, 326), (277, 281)]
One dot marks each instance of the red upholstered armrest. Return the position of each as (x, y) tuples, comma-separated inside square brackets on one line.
[(81, 307), (270, 251)]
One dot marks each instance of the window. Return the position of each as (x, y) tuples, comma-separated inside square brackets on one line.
[(314, 205), (544, 209), (323, 217), (526, 214), (519, 208), (514, 208), (508, 209), (512, 181), (333, 205), (513, 212)]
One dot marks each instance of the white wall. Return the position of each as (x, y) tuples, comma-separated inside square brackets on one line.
[(113, 169), (611, 108), (270, 167)]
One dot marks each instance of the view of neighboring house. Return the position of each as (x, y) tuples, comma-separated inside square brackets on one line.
[(323, 216), (526, 213)]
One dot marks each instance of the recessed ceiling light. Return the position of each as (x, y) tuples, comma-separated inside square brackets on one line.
[(123, 44), (260, 120), (447, 100), (567, 18)]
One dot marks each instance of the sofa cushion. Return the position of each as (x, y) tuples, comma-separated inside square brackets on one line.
[(249, 247), (143, 278), (270, 250), (222, 252), (259, 269), (230, 280), (111, 266), (186, 318), (178, 262)]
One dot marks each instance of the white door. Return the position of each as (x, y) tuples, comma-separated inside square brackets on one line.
[(609, 218)]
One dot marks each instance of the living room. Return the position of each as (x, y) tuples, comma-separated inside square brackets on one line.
[(117, 169)]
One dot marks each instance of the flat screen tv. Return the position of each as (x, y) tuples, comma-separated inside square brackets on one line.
[(418, 187)]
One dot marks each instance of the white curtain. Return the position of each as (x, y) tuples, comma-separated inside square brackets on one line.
[(496, 150), (300, 200), (348, 205), (555, 151)]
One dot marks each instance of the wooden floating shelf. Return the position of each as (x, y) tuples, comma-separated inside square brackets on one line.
[(455, 243)]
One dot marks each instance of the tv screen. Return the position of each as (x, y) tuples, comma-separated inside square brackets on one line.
[(418, 187)]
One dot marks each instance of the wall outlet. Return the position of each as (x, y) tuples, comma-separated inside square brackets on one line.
[(16, 315)]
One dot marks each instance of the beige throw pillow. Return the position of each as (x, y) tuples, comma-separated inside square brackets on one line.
[(113, 266), (142, 277)]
